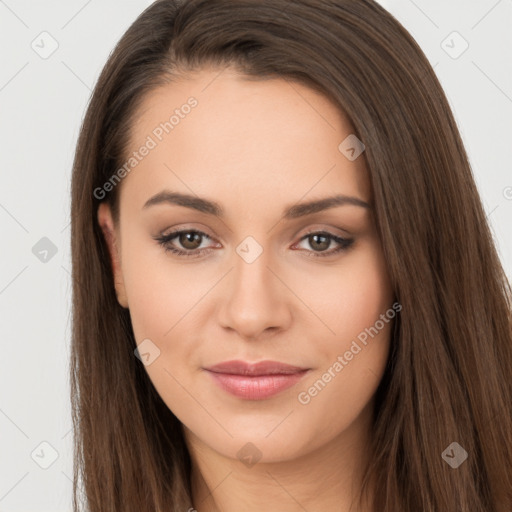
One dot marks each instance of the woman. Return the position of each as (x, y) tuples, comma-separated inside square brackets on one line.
[(285, 292)]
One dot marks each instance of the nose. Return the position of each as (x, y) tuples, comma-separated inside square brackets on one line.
[(254, 299)]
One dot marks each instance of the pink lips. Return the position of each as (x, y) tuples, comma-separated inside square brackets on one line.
[(255, 381)]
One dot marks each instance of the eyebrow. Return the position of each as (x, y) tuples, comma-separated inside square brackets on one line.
[(291, 212)]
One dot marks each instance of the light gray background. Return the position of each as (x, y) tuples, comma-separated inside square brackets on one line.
[(42, 102)]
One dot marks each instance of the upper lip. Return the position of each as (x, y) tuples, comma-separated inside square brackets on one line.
[(237, 367)]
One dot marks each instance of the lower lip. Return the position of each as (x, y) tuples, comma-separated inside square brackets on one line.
[(256, 388)]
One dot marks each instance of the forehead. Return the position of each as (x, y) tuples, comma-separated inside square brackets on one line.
[(217, 133)]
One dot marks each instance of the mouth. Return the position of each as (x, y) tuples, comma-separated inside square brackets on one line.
[(255, 381)]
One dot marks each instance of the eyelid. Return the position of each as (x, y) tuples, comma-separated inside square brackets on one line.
[(316, 228), (185, 227)]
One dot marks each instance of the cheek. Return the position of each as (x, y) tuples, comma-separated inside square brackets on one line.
[(161, 301), (366, 292), (151, 300), (165, 300), (349, 298), (353, 361), (159, 292)]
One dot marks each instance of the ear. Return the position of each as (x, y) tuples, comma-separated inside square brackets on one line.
[(106, 223)]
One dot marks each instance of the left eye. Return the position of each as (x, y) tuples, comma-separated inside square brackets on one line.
[(322, 240), (190, 240)]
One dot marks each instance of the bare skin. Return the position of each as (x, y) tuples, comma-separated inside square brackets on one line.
[(256, 148)]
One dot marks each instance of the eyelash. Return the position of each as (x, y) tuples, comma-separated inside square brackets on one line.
[(165, 240)]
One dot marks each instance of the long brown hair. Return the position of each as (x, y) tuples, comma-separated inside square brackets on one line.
[(448, 377)]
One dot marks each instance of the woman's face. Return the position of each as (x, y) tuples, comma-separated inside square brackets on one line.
[(263, 277)]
